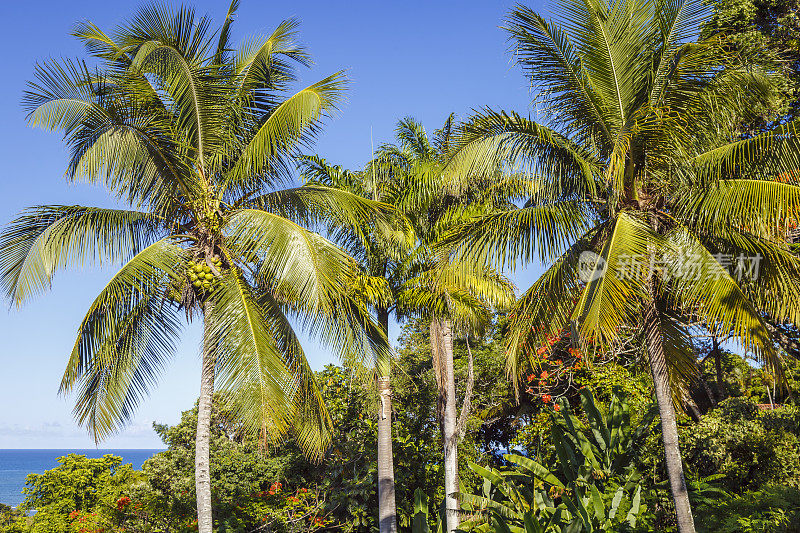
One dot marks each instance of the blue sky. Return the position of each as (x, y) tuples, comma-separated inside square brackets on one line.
[(419, 58)]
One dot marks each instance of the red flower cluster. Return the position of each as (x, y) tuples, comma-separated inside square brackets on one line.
[(74, 514), (275, 488), (122, 502), (546, 398)]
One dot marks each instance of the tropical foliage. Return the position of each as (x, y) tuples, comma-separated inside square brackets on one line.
[(456, 296), (344, 485), (594, 487)]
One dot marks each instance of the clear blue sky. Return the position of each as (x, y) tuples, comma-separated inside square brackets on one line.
[(419, 58)]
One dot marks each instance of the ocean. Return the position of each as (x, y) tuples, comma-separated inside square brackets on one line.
[(16, 464)]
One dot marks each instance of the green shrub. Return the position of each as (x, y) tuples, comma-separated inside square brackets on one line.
[(748, 447), (772, 510)]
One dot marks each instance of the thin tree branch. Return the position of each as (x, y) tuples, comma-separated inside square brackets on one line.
[(466, 406)]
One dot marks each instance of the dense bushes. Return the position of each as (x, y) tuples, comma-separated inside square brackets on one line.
[(748, 447), (772, 510), (80, 495)]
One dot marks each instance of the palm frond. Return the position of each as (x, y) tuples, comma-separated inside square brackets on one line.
[(499, 140), (197, 93), (63, 95), (760, 207), (313, 278), (128, 334), (704, 288), (223, 44), (774, 286), (616, 286), (47, 238), (180, 29), (679, 357), (549, 58), (546, 308), (545, 230), (773, 153), (261, 366), (282, 132), (679, 23), (414, 139), (267, 63), (337, 209)]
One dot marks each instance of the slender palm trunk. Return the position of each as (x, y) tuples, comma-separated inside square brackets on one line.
[(387, 511), (202, 467), (449, 426), (718, 368), (669, 426)]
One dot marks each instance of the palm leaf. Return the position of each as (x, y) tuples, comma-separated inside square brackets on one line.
[(47, 238), (262, 367), (710, 292), (286, 128), (128, 334), (616, 289)]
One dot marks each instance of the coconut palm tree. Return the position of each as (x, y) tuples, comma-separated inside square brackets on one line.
[(195, 139), (422, 280), (644, 177)]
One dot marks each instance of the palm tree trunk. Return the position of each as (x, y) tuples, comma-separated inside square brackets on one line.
[(718, 368), (669, 427), (387, 511), (202, 470), (449, 428)]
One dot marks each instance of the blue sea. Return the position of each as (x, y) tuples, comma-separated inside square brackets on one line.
[(16, 464)]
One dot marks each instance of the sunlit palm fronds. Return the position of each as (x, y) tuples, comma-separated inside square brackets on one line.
[(616, 287), (544, 230), (640, 135), (493, 140), (283, 131), (129, 333), (47, 238), (710, 291)]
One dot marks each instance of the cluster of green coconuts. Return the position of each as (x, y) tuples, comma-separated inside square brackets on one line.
[(200, 273)]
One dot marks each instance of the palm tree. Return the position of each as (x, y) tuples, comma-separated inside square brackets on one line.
[(195, 139), (379, 258), (455, 293), (640, 161), (423, 280)]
